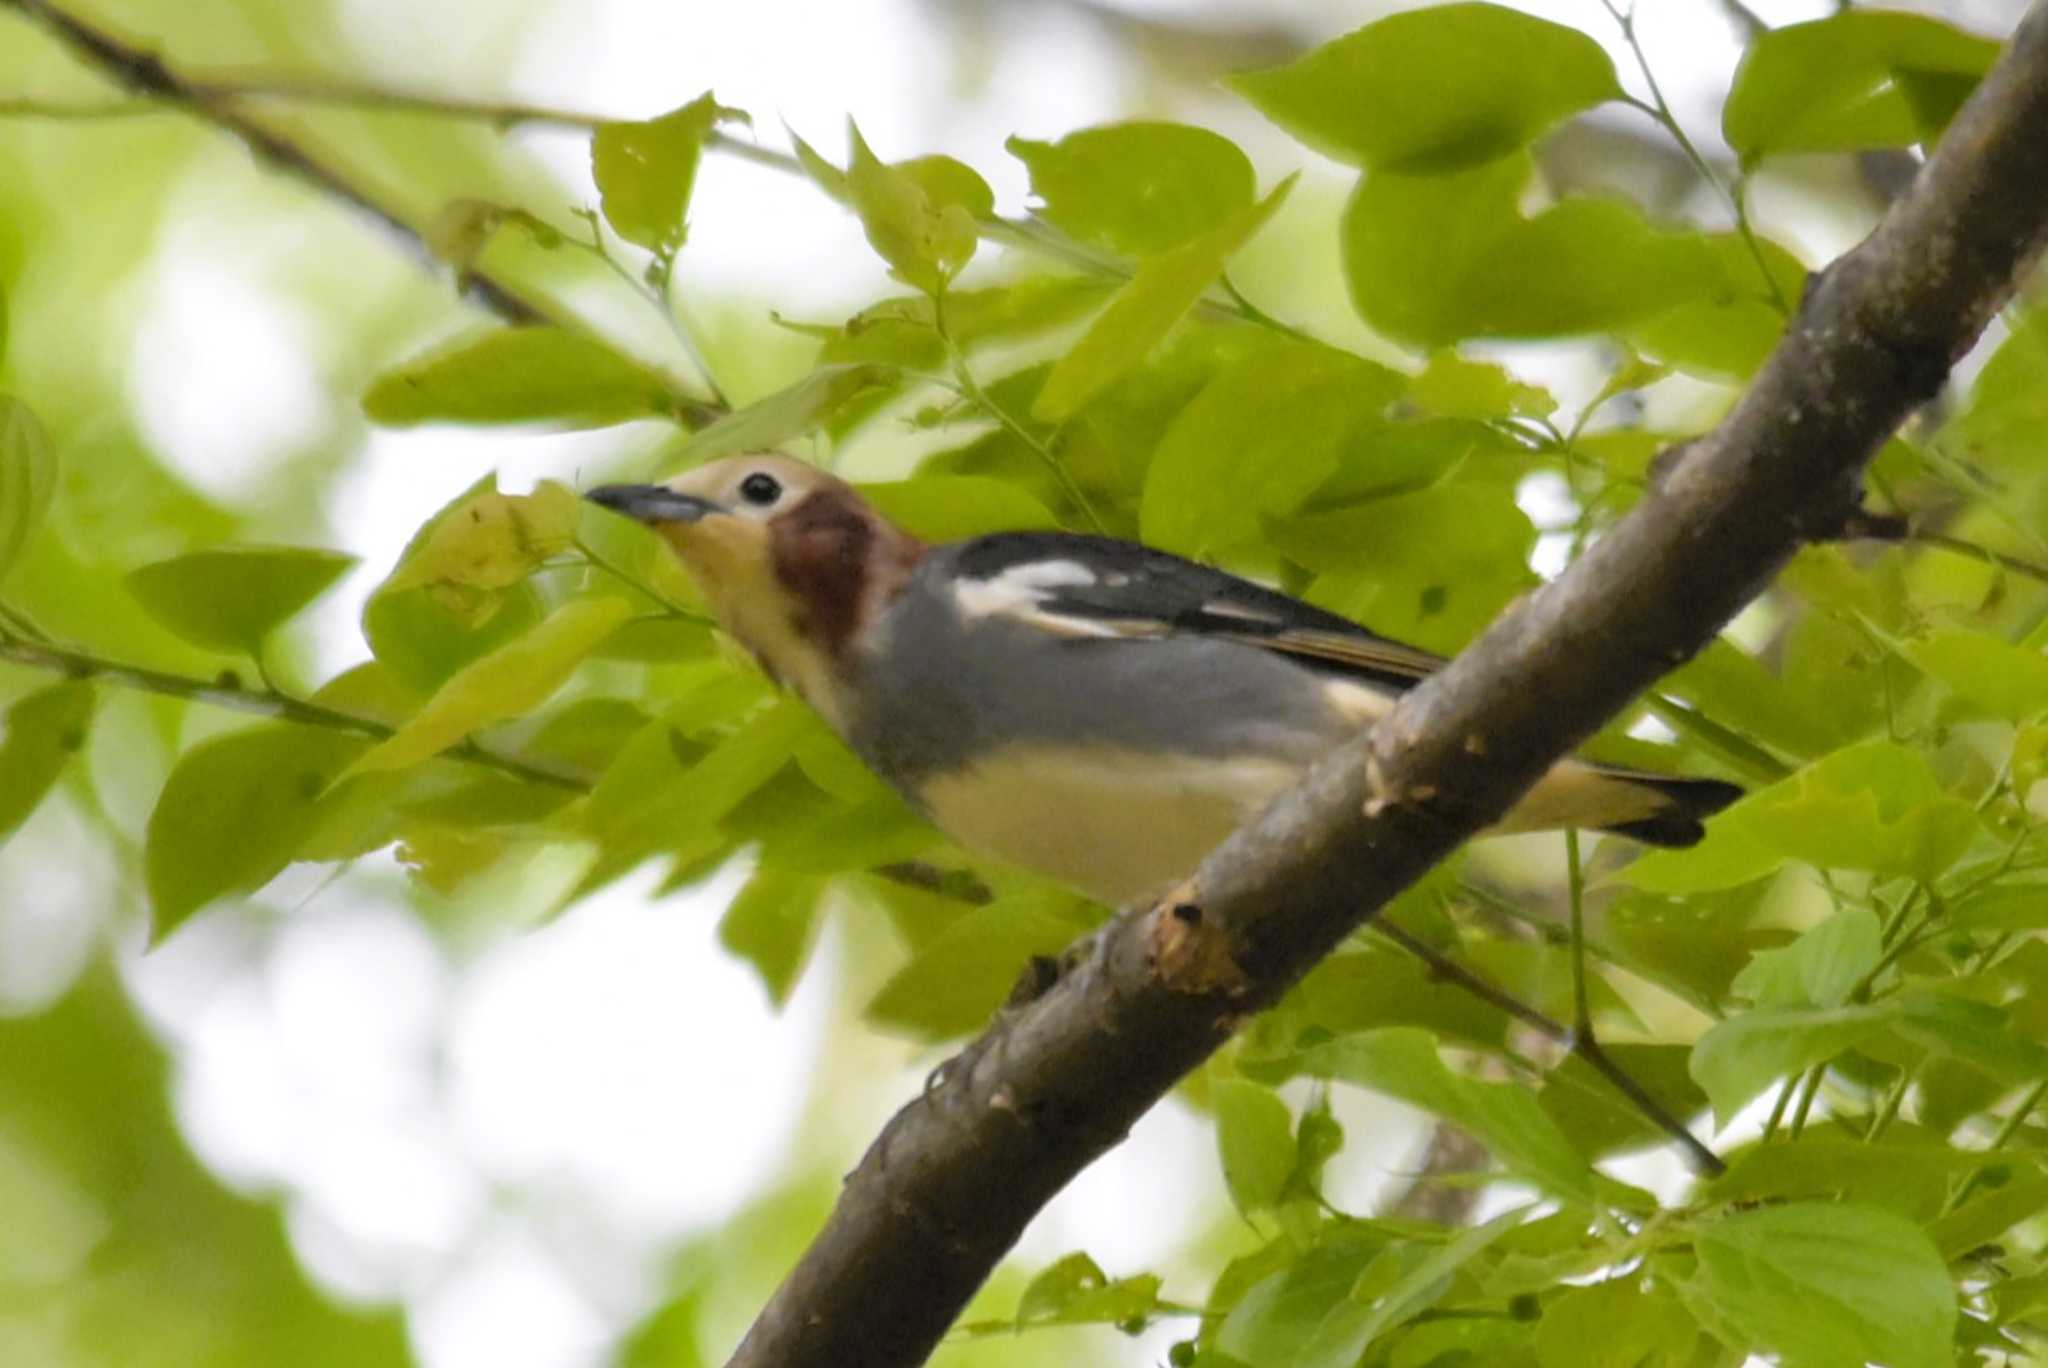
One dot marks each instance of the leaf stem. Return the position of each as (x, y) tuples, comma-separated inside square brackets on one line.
[(971, 387), (1659, 109)]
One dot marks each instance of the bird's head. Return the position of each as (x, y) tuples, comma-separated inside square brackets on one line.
[(792, 561)]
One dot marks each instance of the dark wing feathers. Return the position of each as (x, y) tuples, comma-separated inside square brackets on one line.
[(1142, 592)]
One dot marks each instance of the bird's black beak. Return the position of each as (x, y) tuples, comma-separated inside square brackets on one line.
[(651, 503)]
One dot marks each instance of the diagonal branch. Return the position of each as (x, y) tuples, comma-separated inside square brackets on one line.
[(956, 1175), (145, 74)]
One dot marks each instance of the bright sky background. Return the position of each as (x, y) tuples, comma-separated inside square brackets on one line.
[(477, 1130)]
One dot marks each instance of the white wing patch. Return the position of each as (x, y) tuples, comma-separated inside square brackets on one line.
[(1020, 593)]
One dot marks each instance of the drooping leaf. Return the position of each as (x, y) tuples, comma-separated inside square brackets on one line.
[(1255, 1138), (662, 794), (28, 476), (1403, 1062), (513, 679), (1138, 188), (2002, 421), (486, 545), (533, 374), (1850, 82), (1831, 1285), (230, 598), (1739, 1057), (42, 732), (1435, 89), (1435, 260), (1257, 441), (1144, 311), (953, 985), (1455, 386), (772, 923), (771, 421), (646, 170), (1976, 1033), (903, 331), (925, 238), (1379, 1305), (235, 811), (2008, 681), (1616, 1324), (1278, 1317), (1820, 968), (1075, 1291)]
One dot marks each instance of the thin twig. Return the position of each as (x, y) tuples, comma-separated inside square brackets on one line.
[(147, 75), (1659, 109), (1224, 305), (227, 692)]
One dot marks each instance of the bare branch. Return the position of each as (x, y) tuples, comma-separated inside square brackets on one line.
[(955, 1176)]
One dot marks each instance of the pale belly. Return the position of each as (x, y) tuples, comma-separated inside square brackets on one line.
[(1114, 827)]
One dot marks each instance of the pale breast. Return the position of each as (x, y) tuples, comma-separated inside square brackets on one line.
[(1112, 825)]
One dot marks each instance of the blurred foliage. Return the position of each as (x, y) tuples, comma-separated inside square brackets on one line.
[(1854, 950)]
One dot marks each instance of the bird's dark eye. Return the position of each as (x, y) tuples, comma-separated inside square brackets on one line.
[(760, 488)]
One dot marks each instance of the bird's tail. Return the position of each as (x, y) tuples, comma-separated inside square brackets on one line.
[(1653, 808)]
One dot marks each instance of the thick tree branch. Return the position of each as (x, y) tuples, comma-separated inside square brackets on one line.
[(955, 1176)]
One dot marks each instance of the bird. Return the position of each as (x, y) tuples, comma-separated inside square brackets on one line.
[(1089, 709)]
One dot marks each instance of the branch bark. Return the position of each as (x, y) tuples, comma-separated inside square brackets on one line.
[(952, 1180)]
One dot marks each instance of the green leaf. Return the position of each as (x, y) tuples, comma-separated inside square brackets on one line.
[(230, 598), (513, 679), (234, 813), (533, 374), (1144, 311), (1359, 1320), (903, 331), (2007, 681), (1435, 260), (1821, 968), (787, 413), (772, 923), (1256, 442), (1739, 1057), (28, 476), (944, 508), (1726, 333), (1279, 1316), (44, 730), (646, 170), (1616, 1324), (925, 240), (1831, 1286), (486, 544), (1454, 386), (1138, 188), (2002, 422), (1977, 1033), (1855, 81), (1255, 1138), (1875, 806), (1912, 1172), (948, 180), (1435, 90), (1402, 1062), (1075, 1291), (955, 983)]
